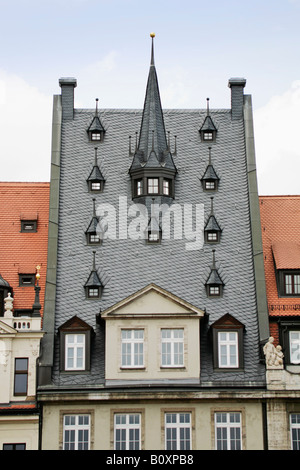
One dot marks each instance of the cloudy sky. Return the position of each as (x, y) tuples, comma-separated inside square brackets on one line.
[(105, 45)]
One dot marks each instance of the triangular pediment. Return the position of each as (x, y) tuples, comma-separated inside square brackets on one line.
[(152, 301), (6, 329)]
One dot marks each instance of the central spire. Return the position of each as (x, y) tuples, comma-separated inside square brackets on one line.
[(152, 149)]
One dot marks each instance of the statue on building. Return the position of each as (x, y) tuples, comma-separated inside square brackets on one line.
[(274, 356), (8, 305)]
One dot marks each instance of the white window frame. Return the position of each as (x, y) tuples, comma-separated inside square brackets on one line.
[(153, 185), (214, 291), (76, 428), (225, 426), (292, 284), (123, 431), (295, 431), (172, 347), (178, 431), (132, 348), (76, 347), (228, 344), (294, 343), (166, 187)]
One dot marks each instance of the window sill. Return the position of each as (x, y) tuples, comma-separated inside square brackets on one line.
[(128, 368), (172, 368)]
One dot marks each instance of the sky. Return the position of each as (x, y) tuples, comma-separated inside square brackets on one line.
[(105, 45)]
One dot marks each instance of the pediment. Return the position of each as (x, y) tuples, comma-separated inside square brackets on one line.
[(6, 329), (152, 301)]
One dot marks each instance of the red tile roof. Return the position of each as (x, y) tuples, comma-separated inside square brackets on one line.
[(280, 223), (22, 252)]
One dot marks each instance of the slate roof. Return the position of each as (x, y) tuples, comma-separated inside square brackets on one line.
[(22, 252), (125, 266), (280, 224)]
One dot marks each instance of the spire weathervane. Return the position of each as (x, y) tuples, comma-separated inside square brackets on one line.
[(152, 35)]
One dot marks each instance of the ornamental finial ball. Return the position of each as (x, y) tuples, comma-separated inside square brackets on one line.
[(152, 35)]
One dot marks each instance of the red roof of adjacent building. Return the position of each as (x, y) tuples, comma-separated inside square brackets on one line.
[(21, 253), (280, 223)]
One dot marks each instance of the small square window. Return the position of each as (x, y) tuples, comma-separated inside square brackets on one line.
[(208, 135), (96, 186), (93, 292), (28, 226), (214, 291), (96, 136), (94, 238), (212, 236), (210, 185), (153, 237)]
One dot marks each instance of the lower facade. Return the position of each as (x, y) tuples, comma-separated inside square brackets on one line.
[(19, 432), (155, 423)]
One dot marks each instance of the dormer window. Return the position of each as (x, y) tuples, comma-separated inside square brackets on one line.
[(153, 231), (292, 283), (93, 235), (214, 284), (212, 230), (208, 130), (94, 239), (228, 343), (28, 226), (95, 180), (75, 344), (93, 286), (214, 290), (96, 130), (210, 179)]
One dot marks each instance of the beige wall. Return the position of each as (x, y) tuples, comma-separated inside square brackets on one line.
[(152, 369), (152, 422), (19, 430)]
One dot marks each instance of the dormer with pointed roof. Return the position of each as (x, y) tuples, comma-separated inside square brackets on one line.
[(96, 130), (96, 180), (208, 129), (212, 230), (93, 235), (152, 169), (214, 284), (93, 286), (210, 179)]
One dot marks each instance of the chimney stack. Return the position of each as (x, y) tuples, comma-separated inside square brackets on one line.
[(237, 97), (67, 97)]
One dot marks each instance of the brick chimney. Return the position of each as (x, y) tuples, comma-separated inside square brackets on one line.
[(67, 97), (237, 97)]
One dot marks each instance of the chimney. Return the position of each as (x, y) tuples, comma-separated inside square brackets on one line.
[(67, 97), (237, 97)]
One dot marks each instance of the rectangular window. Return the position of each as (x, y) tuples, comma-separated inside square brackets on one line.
[(21, 376), (75, 352), (28, 225), (292, 284), (139, 188), (127, 431), (228, 431), (132, 348), (14, 446), (295, 347), (76, 432), (26, 280), (166, 187), (152, 185), (228, 349), (172, 342), (178, 431), (295, 430)]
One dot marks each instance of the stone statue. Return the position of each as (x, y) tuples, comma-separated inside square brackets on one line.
[(274, 356)]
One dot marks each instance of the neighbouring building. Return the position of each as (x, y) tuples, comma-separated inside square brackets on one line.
[(155, 313), (280, 223), (23, 262)]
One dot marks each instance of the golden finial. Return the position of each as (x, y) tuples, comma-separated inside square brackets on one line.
[(38, 272), (152, 35)]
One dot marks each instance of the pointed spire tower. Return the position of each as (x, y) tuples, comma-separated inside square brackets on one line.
[(152, 158)]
